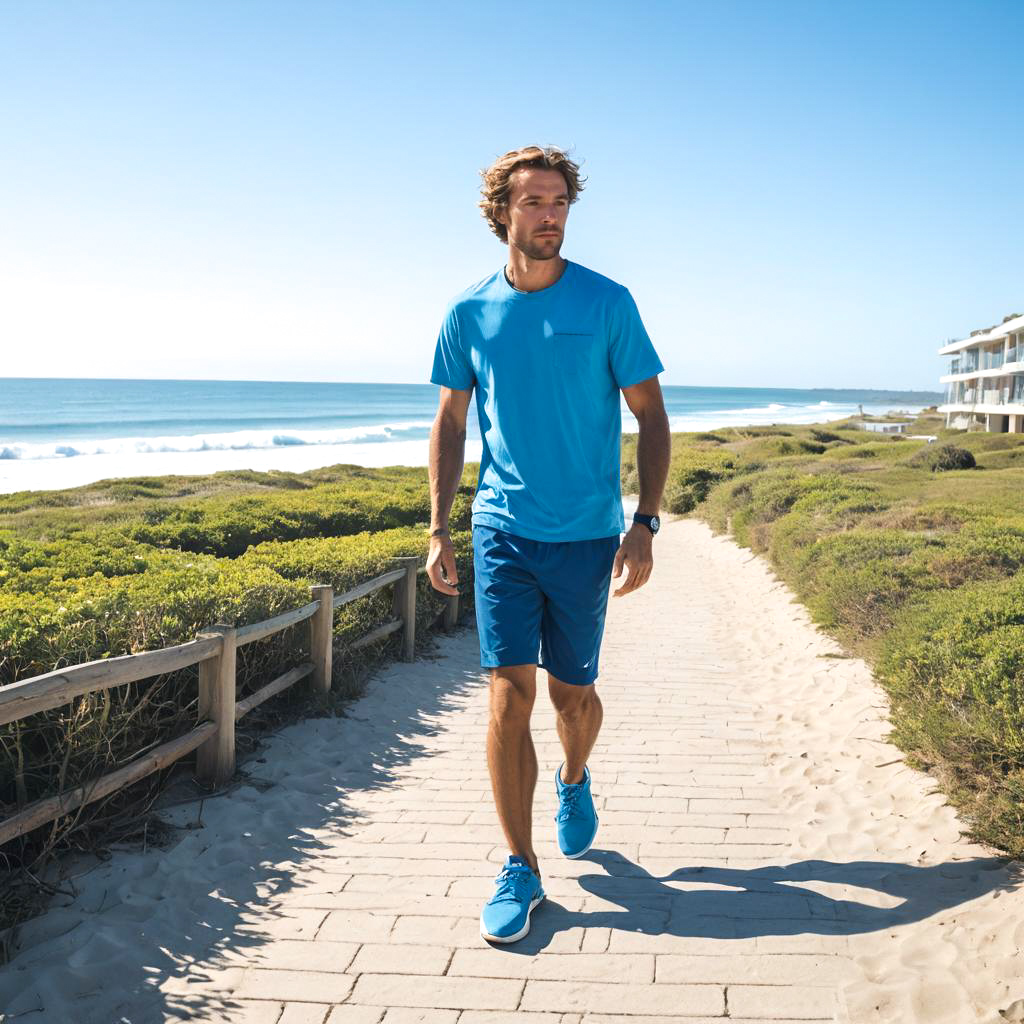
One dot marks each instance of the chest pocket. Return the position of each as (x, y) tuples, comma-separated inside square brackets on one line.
[(574, 351)]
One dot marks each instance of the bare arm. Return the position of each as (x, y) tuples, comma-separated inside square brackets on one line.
[(447, 456), (653, 446), (653, 451)]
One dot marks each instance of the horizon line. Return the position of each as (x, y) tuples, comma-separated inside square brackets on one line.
[(254, 380)]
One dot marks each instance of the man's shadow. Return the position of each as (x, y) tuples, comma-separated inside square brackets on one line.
[(733, 903)]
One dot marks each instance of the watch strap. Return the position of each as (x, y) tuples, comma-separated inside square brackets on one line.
[(645, 520)]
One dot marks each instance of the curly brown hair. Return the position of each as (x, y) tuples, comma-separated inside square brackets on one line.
[(497, 178)]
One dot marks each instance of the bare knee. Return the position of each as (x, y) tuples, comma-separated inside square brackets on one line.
[(512, 695), (573, 702)]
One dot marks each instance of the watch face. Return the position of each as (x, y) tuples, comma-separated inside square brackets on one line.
[(655, 524)]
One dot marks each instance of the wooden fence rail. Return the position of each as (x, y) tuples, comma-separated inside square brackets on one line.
[(214, 651)]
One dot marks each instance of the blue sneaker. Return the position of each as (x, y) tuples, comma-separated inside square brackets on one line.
[(506, 915), (576, 817)]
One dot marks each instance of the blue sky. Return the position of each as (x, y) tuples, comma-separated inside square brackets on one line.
[(797, 194)]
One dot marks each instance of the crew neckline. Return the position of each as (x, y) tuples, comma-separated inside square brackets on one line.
[(519, 294)]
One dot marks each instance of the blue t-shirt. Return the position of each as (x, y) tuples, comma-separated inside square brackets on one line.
[(548, 367)]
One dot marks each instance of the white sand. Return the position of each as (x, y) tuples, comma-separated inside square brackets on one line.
[(761, 848)]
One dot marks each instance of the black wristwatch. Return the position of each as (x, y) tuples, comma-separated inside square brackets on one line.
[(653, 523)]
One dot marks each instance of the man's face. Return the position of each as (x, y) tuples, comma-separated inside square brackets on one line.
[(537, 211)]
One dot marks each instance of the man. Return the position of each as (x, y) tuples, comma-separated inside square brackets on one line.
[(548, 345)]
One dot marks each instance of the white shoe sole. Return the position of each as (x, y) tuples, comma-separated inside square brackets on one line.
[(586, 849), (519, 934)]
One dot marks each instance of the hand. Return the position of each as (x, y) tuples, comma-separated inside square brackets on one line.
[(635, 552), (441, 569)]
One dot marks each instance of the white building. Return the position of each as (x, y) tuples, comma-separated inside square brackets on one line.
[(985, 383)]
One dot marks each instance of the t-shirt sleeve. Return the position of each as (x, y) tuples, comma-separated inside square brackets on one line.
[(630, 350), (452, 368)]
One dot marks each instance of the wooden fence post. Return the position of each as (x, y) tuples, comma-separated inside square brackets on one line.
[(321, 638), (451, 612), (215, 759), (405, 604)]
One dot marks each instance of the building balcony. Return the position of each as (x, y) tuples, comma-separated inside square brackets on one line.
[(963, 366), (982, 374), (987, 401)]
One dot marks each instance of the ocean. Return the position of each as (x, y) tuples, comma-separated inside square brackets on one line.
[(59, 432)]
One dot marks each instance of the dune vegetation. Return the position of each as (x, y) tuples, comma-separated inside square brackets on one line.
[(912, 555)]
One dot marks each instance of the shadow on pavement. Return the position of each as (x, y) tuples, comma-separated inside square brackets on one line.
[(793, 899), (209, 888)]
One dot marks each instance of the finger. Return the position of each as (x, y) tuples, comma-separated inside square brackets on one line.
[(436, 581), (451, 570), (640, 576), (619, 558), (630, 582)]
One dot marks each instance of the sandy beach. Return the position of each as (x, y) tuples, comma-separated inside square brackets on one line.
[(764, 853)]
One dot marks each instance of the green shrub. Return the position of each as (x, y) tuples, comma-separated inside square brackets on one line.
[(122, 504), (799, 447), (344, 562), (692, 474), (827, 497), (97, 617), (229, 527), (954, 669), (856, 581), (943, 457), (983, 550), (33, 566), (933, 517)]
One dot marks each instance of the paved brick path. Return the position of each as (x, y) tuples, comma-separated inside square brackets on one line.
[(388, 924)]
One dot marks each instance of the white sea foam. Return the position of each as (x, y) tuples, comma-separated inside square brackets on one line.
[(238, 440), (762, 415)]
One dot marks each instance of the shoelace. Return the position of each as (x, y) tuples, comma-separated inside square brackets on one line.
[(567, 802), (510, 881)]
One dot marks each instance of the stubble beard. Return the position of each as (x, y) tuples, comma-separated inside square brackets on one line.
[(547, 249)]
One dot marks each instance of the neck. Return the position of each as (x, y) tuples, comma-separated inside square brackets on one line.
[(532, 275)]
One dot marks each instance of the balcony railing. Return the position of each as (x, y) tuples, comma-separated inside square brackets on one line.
[(1010, 393), (995, 396), (963, 366)]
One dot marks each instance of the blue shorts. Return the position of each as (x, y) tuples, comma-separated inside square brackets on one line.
[(542, 602)]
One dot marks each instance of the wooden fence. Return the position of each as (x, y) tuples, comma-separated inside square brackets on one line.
[(214, 652)]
